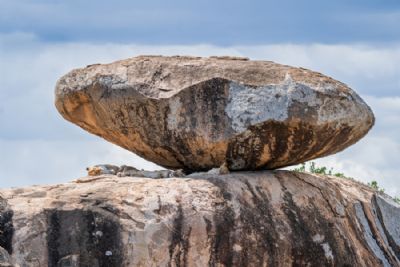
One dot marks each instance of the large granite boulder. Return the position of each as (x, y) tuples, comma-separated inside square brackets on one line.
[(198, 113), (264, 218)]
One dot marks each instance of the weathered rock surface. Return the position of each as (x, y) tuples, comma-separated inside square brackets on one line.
[(266, 218), (198, 113)]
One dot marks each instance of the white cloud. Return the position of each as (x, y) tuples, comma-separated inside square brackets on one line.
[(37, 146), (373, 158), (40, 161), (370, 70)]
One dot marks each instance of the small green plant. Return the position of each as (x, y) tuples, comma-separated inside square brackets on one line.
[(397, 200), (374, 185)]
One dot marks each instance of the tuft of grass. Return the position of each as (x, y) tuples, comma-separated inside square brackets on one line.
[(302, 168), (313, 168)]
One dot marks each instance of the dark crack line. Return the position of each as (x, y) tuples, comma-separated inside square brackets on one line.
[(322, 194), (392, 243), (376, 236)]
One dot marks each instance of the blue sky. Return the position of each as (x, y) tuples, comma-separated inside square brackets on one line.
[(357, 42), (222, 22)]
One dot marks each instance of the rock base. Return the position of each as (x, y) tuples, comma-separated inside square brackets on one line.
[(269, 218)]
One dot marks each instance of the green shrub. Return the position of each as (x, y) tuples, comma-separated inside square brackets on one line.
[(340, 175), (374, 185), (302, 168), (313, 168)]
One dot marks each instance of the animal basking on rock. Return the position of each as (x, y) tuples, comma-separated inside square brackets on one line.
[(124, 170)]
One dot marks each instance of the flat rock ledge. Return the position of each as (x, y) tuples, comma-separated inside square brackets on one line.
[(199, 113), (266, 218)]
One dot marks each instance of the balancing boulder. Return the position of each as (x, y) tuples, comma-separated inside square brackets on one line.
[(199, 113)]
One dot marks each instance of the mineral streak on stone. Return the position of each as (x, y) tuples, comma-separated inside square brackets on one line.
[(198, 113), (265, 218)]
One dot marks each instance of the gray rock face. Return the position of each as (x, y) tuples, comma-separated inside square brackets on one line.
[(264, 218), (199, 113), (5, 259), (6, 233)]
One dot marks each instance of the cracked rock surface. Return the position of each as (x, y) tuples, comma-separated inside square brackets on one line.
[(264, 218), (199, 113)]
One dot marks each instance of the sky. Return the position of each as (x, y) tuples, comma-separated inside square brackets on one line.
[(356, 42)]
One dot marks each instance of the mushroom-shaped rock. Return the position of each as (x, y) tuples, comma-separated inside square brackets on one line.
[(199, 113)]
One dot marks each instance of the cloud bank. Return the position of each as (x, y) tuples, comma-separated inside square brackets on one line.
[(37, 146)]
